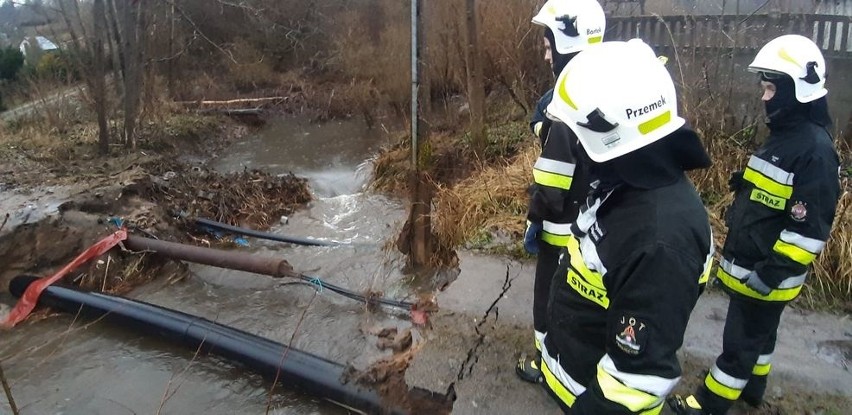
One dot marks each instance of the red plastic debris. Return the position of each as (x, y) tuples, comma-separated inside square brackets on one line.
[(28, 301)]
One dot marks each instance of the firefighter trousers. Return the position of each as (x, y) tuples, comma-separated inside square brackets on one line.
[(741, 370), (545, 267)]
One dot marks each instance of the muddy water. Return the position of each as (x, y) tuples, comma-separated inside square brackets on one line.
[(59, 366)]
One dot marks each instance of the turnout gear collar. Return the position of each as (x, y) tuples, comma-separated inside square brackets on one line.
[(617, 97), (574, 24), (656, 165), (797, 57)]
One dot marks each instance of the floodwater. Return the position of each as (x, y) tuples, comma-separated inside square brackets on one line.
[(62, 366)]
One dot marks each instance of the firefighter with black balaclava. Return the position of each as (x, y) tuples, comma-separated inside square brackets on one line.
[(559, 185), (779, 222), (641, 248)]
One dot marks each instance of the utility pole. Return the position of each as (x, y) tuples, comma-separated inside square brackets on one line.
[(419, 221)]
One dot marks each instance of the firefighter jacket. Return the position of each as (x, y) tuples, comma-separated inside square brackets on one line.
[(540, 124), (627, 282), (559, 187), (782, 212)]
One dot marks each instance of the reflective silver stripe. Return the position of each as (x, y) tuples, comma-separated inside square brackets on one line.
[(590, 255), (572, 385), (793, 282), (811, 245), (771, 171), (556, 228), (764, 359), (736, 271), (739, 273), (554, 166), (727, 380), (655, 385), (588, 216)]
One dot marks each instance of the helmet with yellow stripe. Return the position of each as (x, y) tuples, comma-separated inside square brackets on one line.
[(617, 97), (575, 23), (797, 57)]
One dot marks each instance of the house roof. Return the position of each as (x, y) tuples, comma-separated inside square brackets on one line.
[(43, 43)]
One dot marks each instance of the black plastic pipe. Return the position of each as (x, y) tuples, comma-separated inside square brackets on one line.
[(293, 368), (264, 235)]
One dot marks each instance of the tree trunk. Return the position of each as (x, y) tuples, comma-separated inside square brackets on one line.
[(99, 83), (118, 57), (133, 70), (475, 85)]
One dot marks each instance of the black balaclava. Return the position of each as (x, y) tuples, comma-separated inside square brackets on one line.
[(559, 60), (783, 107), (656, 165), (785, 110)]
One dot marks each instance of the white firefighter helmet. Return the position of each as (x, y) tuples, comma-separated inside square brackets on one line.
[(575, 23), (798, 57), (617, 97)]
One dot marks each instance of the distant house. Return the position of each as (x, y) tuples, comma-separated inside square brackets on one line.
[(35, 46)]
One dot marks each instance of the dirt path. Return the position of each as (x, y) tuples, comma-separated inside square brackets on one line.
[(486, 318)]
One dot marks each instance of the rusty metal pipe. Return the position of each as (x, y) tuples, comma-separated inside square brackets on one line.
[(239, 261)]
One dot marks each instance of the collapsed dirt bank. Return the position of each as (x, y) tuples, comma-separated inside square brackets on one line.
[(58, 209)]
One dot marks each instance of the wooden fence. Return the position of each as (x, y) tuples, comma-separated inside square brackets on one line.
[(737, 33)]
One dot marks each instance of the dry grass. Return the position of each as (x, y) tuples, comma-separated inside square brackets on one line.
[(493, 198), (831, 282)]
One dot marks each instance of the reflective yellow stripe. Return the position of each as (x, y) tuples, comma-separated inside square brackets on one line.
[(563, 92), (556, 386), (632, 399), (777, 294), (708, 266), (653, 411), (656, 122), (767, 184), (719, 389), (554, 239), (595, 39), (761, 370), (767, 199), (587, 283), (794, 252), (546, 178), (588, 291), (592, 277)]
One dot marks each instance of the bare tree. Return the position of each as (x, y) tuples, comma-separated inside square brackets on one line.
[(98, 63), (475, 81), (133, 61)]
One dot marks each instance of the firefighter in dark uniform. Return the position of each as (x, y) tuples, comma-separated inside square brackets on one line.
[(779, 222), (559, 185), (641, 247)]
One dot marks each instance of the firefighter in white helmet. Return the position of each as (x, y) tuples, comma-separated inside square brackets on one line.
[(641, 247), (779, 222), (559, 184)]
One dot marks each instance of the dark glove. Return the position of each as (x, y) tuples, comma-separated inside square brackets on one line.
[(736, 181), (531, 237), (753, 281)]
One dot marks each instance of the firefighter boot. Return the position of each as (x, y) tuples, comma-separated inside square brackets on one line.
[(753, 391), (530, 369), (685, 406)]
